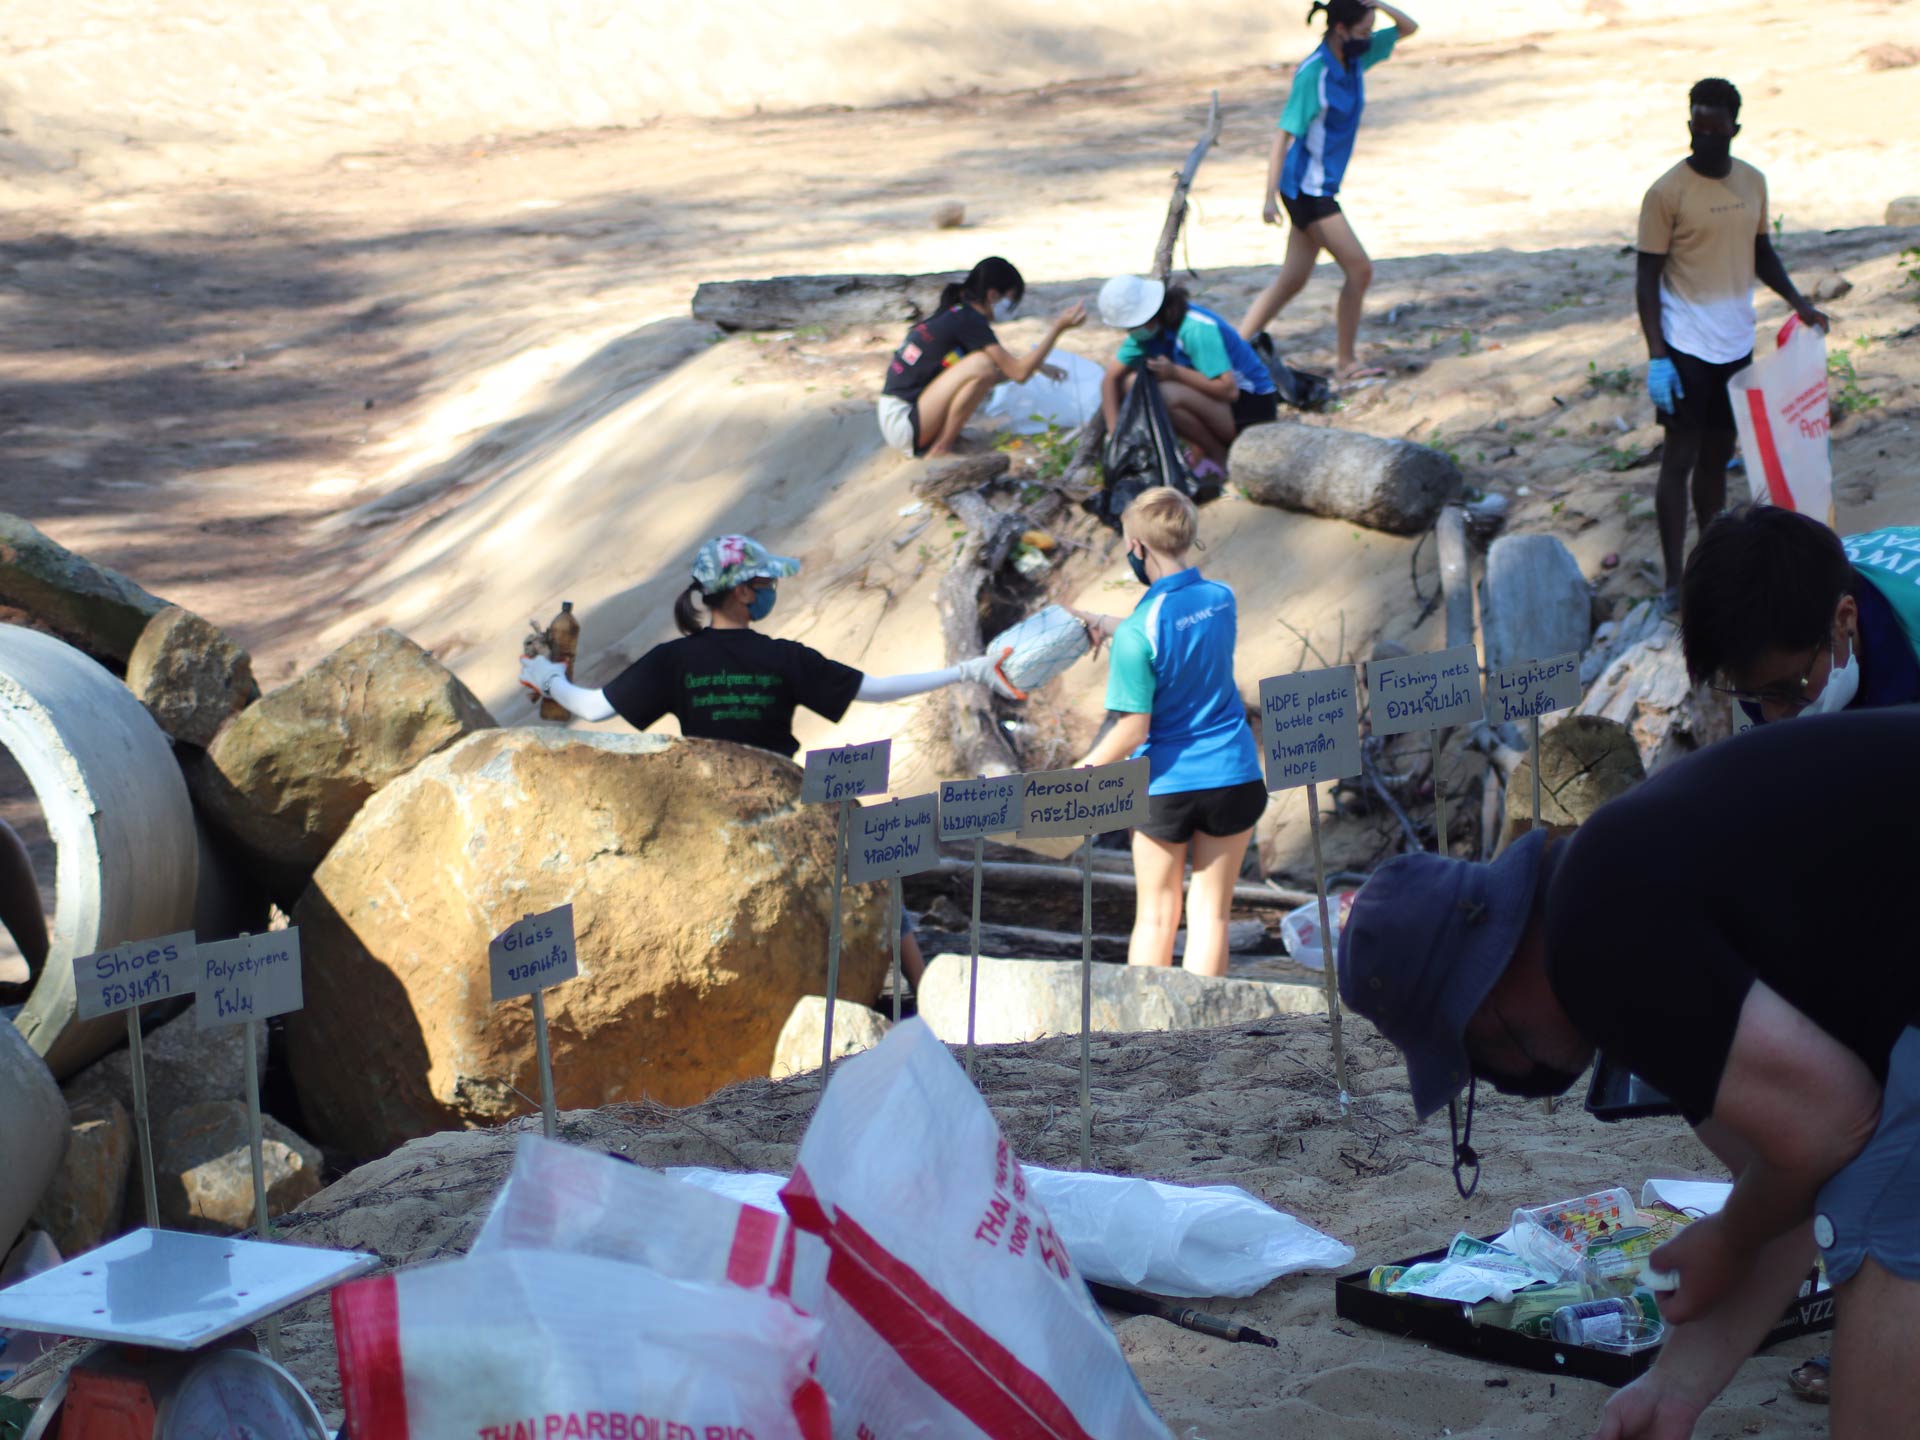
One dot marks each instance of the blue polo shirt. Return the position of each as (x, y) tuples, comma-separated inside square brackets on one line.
[(1323, 115), (1173, 660), (1205, 343)]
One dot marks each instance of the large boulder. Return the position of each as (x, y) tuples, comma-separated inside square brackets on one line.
[(1535, 604), (1585, 761), (701, 893), (1028, 999), (191, 677), (82, 1207), (1391, 485), (203, 1167), (855, 1028), (288, 773), (92, 608), (185, 1065)]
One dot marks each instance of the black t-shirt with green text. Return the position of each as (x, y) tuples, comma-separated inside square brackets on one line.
[(733, 685)]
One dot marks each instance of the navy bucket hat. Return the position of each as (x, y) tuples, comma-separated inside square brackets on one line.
[(1426, 940)]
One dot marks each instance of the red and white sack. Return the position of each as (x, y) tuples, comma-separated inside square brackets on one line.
[(1781, 408), (951, 1306)]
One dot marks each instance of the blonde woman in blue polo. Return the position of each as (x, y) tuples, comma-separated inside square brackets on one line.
[(1171, 686)]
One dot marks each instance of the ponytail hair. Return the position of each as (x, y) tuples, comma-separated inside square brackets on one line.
[(686, 611), (1339, 12), (992, 273)]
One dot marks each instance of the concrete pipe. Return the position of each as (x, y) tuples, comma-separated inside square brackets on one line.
[(118, 812), (33, 1138)]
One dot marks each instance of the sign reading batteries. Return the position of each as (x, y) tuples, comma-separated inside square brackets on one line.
[(1084, 802), (898, 837), (973, 809), (533, 954), (252, 978)]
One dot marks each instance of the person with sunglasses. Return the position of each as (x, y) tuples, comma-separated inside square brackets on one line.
[(1789, 619), (1771, 993)]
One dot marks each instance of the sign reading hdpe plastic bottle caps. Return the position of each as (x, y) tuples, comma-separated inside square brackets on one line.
[(970, 809), (134, 974), (1533, 688), (1084, 802), (846, 772), (899, 837), (1424, 692), (251, 978), (1309, 727), (533, 954)]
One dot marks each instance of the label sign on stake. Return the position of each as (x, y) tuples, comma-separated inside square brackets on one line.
[(134, 974), (897, 837), (974, 809), (846, 772), (1083, 802), (1310, 727), (1533, 688), (1424, 692), (252, 978), (533, 954)]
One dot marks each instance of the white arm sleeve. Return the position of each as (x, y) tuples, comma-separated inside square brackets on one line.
[(585, 703), (879, 689)]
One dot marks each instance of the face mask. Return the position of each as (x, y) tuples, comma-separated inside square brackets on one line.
[(762, 605), (1712, 150), (1003, 309), (1357, 48), (1843, 683), (1138, 564)]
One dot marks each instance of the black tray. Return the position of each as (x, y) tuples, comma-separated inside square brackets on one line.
[(1615, 1093), (1445, 1324)]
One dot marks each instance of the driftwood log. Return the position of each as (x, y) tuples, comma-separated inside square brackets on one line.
[(1390, 485), (980, 746), (1456, 573), (1182, 183), (787, 302)]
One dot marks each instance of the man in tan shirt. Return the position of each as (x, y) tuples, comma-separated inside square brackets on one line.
[(1703, 240)]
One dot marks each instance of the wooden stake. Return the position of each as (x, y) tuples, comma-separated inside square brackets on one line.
[(833, 946), (1182, 183), (1439, 799), (258, 1147), (973, 969), (141, 1122), (1086, 1004), (549, 1121), (1328, 950), (893, 887), (1534, 722)]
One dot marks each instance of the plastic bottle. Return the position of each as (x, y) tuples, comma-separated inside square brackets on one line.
[(1596, 1320), (563, 640)]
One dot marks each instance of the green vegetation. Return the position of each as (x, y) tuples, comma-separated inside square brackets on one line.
[(1843, 386), (1055, 447), (1609, 382)]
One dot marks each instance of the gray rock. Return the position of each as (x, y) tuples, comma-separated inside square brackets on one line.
[(1904, 211), (89, 606), (203, 1167), (185, 1066), (786, 302), (1391, 485), (190, 675), (1027, 999), (1534, 602), (855, 1028), (81, 1208)]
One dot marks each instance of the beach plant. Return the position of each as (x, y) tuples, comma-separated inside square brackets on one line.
[(1609, 382), (1843, 387)]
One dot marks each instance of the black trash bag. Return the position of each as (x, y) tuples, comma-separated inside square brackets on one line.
[(1301, 389), (1142, 452)]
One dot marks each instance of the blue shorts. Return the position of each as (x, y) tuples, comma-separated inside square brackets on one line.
[(1872, 1207)]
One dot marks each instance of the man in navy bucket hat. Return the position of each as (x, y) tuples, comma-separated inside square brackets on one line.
[(1734, 931)]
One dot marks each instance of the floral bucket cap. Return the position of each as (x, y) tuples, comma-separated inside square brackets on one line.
[(732, 560)]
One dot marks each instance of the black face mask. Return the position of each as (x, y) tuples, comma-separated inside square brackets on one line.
[(1357, 48), (1714, 152), (1138, 564)]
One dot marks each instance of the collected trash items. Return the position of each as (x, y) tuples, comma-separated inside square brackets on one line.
[(559, 640), (1037, 649)]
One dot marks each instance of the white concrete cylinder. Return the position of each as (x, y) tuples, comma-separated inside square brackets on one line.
[(33, 1136)]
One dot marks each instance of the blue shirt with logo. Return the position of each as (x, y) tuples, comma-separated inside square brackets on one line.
[(1208, 344), (1173, 660), (1323, 115)]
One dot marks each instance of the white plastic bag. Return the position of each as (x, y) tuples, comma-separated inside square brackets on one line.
[(1187, 1240), (1032, 406), (1300, 930), (1037, 649), (541, 1345), (951, 1308), (1780, 406)]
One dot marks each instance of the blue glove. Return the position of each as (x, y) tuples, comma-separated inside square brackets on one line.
[(1663, 384)]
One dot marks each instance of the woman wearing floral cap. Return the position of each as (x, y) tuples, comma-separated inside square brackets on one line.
[(723, 680)]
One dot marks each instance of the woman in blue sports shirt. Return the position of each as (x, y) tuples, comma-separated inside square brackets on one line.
[(1311, 147)]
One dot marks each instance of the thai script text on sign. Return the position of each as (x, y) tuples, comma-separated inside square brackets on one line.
[(533, 954), (134, 973), (900, 837), (1424, 692), (972, 808), (1310, 727), (1533, 688), (1084, 802), (251, 978), (846, 772)]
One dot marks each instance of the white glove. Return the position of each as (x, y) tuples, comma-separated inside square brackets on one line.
[(980, 671), (538, 672)]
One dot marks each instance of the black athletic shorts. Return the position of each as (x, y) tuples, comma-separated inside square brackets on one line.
[(1220, 812), (1303, 210), (1249, 410), (1704, 403)]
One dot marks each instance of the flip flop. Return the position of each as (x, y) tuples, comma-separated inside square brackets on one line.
[(1811, 1380)]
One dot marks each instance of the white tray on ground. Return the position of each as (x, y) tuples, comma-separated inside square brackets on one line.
[(174, 1291)]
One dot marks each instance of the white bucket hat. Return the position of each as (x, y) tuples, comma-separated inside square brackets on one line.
[(1128, 301)]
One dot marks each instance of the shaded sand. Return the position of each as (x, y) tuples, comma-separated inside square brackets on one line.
[(1251, 1106)]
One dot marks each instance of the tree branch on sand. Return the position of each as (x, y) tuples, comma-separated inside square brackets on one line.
[(1182, 183)]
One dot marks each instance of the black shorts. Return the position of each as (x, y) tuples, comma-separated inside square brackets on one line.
[(1704, 403), (1250, 410), (1220, 812), (1303, 210)]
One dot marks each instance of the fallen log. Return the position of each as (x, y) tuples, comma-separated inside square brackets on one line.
[(980, 746), (1456, 574), (787, 302), (940, 480), (1390, 485)]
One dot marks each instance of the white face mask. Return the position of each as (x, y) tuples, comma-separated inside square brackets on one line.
[(1003, 309), (1843, 683)]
